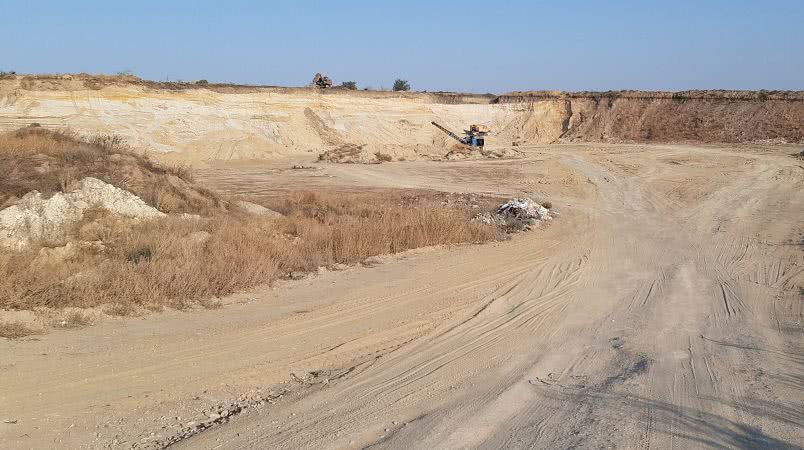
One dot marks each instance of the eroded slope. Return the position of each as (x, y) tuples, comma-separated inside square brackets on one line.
[(225, 122)]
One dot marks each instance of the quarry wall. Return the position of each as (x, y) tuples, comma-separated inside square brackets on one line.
[(222, 122)]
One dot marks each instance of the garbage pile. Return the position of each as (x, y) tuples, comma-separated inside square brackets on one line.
[(518, 214)]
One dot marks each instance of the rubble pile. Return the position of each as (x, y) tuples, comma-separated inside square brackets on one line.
[(518, 214)]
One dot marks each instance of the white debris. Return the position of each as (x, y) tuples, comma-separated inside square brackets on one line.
[(522, 209), (516, 214), (485, 218), (36, 218)]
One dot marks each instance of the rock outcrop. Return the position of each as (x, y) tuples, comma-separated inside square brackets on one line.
[(34, 218)]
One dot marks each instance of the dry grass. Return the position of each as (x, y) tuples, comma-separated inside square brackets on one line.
[(125, 266), (74, 319), (34, 158), (347, 228), (174, 262), (16, 330), (383, 157)]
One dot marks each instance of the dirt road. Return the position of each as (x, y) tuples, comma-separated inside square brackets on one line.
[(663, 309)]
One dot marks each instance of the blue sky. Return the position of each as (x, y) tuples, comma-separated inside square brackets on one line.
[(475, 46)]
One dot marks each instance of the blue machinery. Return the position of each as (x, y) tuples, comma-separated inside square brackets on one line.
[(475, 136)]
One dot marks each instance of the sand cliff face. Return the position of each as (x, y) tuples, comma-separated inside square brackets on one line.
[(695, 116), (229, 122), (212, 124)]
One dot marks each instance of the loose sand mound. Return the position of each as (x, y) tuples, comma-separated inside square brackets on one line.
[(461, 152), (352, 154)]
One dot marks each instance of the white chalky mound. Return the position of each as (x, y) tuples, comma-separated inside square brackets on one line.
[(35, 218)]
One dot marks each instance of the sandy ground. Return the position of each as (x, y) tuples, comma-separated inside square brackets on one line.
[(663, 309)]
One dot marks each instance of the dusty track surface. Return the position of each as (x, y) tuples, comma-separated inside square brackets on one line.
[(662, 310)]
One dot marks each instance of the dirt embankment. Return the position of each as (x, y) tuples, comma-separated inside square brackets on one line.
[(691, 116), (208, 122), (95, 224)]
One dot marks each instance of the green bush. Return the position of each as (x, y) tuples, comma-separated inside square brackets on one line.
[(351, 85), (401, 85)]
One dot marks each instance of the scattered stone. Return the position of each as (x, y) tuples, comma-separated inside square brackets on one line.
[(485, 218), (519, 214), (461, 152), (522, 209)]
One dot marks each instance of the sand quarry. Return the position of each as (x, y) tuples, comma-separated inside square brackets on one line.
[(662, 309)]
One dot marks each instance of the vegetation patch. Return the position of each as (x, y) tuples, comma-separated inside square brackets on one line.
[(16, 330), (37, 159), (211, 249)]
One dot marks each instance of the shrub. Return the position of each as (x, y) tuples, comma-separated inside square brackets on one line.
[(138, 255), (351, 85), (202, 82), (16, 330), (401, 85), (383, 157)]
